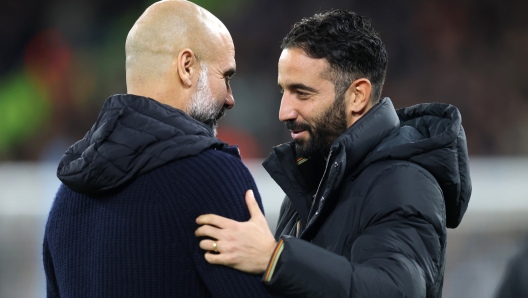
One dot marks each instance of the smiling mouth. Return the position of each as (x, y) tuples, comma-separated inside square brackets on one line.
[(298, 130), (295, 134)]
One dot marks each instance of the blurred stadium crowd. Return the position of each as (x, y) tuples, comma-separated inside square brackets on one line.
[(60, 60)]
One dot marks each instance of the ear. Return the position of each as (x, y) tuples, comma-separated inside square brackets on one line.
[(186, 64), (358, 100)]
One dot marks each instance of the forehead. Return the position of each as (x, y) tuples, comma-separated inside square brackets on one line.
[(295, 65), (223, 52)]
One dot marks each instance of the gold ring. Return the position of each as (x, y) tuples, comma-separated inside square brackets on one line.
[(215, 248)]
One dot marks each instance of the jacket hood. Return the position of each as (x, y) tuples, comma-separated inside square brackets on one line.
[(430, 135), (133, 135)]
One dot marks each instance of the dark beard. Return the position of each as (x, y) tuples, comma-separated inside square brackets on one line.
[(326, 129)]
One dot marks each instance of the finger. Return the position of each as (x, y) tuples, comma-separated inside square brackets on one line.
[(254, 209), (214, 220), (208, 244), (217, 259), (208, 231)]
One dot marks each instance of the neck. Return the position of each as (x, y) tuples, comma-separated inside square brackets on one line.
[(168, 96)]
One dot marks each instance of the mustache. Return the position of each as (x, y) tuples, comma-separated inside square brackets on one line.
[(213, 121), (220, 114), (297, 126)]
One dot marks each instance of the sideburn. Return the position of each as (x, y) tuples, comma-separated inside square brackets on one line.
[(330, 125)]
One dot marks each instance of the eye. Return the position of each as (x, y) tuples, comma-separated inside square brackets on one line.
[(301, 94), (281, 91)]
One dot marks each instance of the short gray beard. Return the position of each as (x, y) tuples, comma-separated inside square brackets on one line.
[(203, 106)]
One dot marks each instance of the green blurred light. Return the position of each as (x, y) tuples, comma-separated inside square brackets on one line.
[(23, 109)]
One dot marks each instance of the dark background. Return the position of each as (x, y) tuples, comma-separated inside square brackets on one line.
[(59, 61)]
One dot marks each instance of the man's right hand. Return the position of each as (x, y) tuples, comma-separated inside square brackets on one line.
[(246, 246)]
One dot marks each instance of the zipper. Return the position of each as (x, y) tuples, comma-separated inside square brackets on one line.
[(297, 229), (317, 192)]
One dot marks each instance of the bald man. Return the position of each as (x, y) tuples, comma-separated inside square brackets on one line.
[(122, 223)]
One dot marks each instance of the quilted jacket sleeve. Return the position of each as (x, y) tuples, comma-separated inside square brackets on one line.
[(399, 251)]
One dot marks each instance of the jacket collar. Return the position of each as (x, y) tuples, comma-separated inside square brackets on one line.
[(429, 135), (347, 151), (361, 138)]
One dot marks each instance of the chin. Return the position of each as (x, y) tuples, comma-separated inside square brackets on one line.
[(301, 148)]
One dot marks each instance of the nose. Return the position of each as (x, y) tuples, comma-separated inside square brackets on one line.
[(230, 100), (287, 110)]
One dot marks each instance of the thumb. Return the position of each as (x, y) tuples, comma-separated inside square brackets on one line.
[(254, 209)]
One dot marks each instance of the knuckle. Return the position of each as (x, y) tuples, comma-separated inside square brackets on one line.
[(235, 227), (230, 238), (229, 249), (226, 235)]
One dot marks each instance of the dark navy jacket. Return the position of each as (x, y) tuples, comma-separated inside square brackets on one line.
[(123, 223), (373, 222)]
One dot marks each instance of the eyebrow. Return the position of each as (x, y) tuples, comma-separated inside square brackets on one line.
[(229, 73), (299, 86)]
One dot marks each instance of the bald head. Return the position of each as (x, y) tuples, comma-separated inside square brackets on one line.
[(165, 47)]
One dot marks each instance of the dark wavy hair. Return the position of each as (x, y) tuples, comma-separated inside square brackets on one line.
[(348, 42)]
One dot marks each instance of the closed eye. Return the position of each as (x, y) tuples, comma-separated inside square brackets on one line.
[(301, 93), (228, 75)]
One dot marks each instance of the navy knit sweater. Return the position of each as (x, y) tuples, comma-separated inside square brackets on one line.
[(133, 235)]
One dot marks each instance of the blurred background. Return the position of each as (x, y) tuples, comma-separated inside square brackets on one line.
[(60, 60)]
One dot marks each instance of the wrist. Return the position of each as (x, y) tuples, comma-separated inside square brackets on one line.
[(266, 257), (274, 257)]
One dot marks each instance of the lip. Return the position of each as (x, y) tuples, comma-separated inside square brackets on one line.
[(297, 134)]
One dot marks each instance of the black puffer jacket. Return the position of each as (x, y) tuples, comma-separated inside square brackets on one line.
[(377, 226)]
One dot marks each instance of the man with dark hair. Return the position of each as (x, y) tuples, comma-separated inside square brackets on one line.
[(122, 223), (370, 189)]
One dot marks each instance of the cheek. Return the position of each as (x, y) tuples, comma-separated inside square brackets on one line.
[(312, 112), (219, 91)]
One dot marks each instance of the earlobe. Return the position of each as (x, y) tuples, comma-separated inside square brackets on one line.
[(186, 63)]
